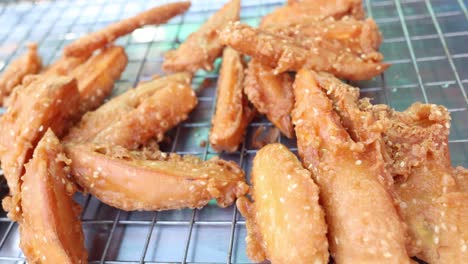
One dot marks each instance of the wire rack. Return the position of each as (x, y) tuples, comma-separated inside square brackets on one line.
[(424, 40)]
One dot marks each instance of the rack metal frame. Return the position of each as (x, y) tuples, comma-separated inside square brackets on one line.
[(423, 40)]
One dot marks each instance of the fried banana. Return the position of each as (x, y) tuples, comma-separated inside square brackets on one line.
[(271, 94), (96, 121), (138, 180), (139, 114), (361, 37), (297, 11), (64, 66), (432, 195), (97, 75), (350, 171), (233, 113), (285, 224), (286, 54), (203, 46), (50, 229), (43, 103), (86, 45), (28, 63)]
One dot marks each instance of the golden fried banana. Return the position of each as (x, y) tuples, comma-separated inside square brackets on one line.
[(202, 47), (432, 195), (50, 229), (87, 44), (271, 94), (297, 11), (28, 63), (64, 66), (43, 103), (152, 118), (286, 54), (139, 114), (285, 224), (233, 113), (361, 37), (364, 225), (97, 75), (132, 180), (94, 122)]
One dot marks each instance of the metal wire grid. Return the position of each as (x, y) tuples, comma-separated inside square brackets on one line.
[(424, 40)]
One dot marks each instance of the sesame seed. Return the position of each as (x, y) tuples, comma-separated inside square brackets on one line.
[(281, 200), (463, 248), (436, 240), (358, 162), (402, 164), (387, 255)]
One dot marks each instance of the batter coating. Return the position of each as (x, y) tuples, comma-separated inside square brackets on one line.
[(138, 115), (152, 180), (202, 47), (26, 64), (233, 113), (97, 75), (271, 94), (285, 223), (86, 45), (286, 54), (350, 171), (50, 229), (42, 103)]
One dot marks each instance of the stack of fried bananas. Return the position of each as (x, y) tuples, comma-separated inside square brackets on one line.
[(378, 185), (374, 186), (57, 137), (328, 36)]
